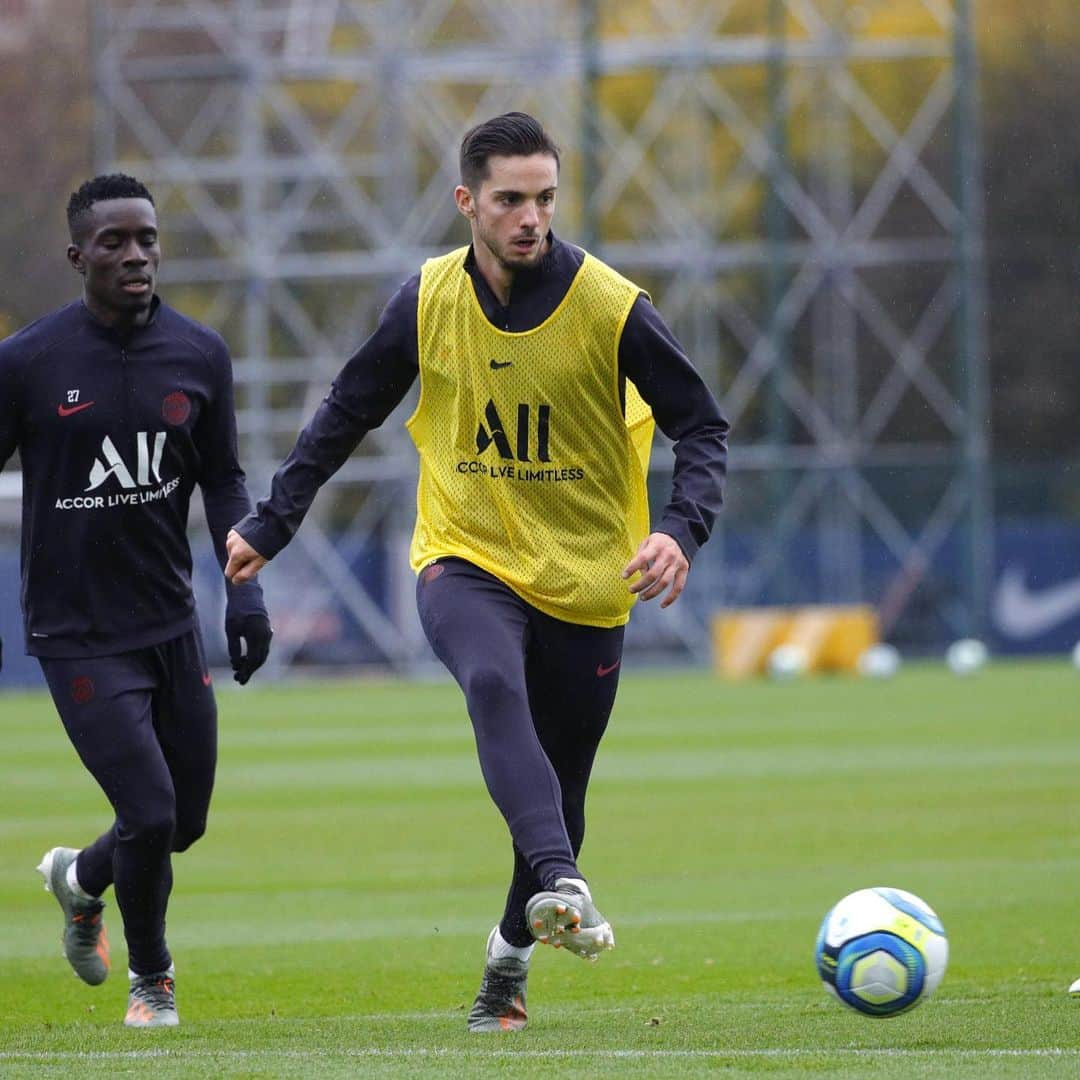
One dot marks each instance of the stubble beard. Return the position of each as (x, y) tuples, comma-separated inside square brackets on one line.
[(508, 259)]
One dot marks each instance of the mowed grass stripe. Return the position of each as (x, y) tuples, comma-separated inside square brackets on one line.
[(336, 919), (617, 765), (526, 1054)]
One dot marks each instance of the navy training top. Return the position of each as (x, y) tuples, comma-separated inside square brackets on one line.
[(113, 432)]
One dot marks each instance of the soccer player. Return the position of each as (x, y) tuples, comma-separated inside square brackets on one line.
[(538, 366), (118, 406)]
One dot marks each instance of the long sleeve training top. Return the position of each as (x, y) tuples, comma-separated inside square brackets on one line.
[(114, 432)]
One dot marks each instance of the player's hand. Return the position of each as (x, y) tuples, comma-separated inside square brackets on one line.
[(663, 568), (244, 561), (249, 644)]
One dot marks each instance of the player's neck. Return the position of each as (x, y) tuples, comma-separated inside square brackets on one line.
[(499, 278), (120, 322)]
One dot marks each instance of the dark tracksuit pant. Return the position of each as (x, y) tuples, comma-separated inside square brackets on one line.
[(539, 692), (144, 724)]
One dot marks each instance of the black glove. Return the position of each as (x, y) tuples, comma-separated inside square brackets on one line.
[(249, 644)]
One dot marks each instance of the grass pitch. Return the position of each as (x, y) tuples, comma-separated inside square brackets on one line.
[(332, 922)]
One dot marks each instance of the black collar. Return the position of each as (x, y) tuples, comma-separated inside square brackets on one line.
[(111, 333), (525, 281)]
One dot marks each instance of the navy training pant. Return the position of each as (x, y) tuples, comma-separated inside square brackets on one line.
[(539, 692), (144, 724)]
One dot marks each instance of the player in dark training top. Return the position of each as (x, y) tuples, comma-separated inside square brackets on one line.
[(118, 407), (541, 371)]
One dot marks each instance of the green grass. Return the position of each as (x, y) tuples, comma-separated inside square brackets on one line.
[(332, 921)]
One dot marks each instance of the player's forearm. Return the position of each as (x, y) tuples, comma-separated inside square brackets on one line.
[(322, 448), (697, 487), (688, 413), (223, 507), (365, 392)]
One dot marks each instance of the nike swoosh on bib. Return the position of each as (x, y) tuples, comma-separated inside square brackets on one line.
[(1021, 613)]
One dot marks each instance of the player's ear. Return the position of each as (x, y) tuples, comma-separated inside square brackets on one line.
[(75, 257), (463, 198)]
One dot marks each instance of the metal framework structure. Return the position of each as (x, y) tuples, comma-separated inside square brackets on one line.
[(796, 183)]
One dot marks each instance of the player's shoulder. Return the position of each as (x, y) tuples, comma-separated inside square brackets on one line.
[(404, 298), (570, 254), (43, 335), (448, 261), (185, 330), (440, 274), (597, 266)]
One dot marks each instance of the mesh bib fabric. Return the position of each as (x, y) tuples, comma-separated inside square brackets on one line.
[(528, 466)]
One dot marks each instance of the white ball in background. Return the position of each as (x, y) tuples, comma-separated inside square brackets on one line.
[(881, 661), (1076, 655), (787, 662), (966, 656)]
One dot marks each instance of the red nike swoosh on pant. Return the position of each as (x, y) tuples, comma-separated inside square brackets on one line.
[(66, 410), (601, 671), (206, 680)]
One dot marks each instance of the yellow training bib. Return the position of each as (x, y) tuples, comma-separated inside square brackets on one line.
[(529, 467)]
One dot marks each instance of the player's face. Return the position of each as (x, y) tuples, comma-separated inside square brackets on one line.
[(511, 213), (118, 256)]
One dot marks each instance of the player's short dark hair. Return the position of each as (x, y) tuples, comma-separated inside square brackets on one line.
[(101, 189), (513, 134)]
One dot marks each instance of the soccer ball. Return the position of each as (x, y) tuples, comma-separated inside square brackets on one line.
[(881, 951)]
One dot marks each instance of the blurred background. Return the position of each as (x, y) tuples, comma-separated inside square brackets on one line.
[(860, 218)]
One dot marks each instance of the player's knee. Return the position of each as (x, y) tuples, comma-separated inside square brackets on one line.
[(153, 832), (187, 832), (190, 826), (488, 687)]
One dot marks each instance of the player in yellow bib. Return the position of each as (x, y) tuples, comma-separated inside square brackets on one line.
[(541, 373)]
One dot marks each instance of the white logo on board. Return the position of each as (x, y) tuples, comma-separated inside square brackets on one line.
[(1022, 613)]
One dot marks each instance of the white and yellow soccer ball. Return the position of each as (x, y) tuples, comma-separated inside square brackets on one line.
[(881, 951)]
